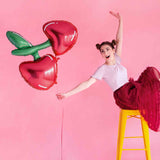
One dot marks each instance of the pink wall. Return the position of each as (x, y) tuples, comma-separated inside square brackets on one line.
[(30, 120)]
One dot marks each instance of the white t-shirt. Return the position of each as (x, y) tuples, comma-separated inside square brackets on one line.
[(115, 75)]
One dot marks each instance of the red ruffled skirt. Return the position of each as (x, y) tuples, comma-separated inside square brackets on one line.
[(143, 94)]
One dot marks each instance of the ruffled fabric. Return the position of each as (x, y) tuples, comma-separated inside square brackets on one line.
[(143, 94)]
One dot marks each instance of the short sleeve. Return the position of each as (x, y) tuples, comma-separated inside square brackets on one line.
[(98, 74), (118, 58)]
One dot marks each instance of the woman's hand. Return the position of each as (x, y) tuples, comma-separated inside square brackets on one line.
[(117, 15), (61, 96)]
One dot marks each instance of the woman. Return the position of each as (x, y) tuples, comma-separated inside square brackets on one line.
[(143, 94)]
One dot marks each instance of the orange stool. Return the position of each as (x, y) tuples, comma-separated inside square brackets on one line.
[(124, 115)]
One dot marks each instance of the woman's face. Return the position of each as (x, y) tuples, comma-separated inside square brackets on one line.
[(107, 52)]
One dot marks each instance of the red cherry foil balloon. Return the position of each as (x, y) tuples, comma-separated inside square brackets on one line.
[(40, 74), (62, 35)]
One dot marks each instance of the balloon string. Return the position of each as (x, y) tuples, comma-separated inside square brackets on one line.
[(62, 134)]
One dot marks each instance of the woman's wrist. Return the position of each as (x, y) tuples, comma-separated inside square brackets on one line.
[(120, 19)]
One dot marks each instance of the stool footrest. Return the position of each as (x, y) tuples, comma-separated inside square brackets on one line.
[(135, 137), (132, 149)]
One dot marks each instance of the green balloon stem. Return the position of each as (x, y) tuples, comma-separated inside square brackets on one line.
[(43, 45), (33, 50), (36, 56)]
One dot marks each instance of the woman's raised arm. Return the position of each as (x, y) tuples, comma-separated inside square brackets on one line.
[(82, 86), (119, 35)]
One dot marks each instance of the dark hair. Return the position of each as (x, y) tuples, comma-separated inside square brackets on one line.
[(111, 44)]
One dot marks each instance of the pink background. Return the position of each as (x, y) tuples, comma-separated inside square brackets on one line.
[(30, 120)]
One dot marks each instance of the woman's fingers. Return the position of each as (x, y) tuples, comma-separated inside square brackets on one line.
[(117, 15), (113, 13)]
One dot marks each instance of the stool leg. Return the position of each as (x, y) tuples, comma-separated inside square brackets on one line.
[(145, 131), (121, 132)]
